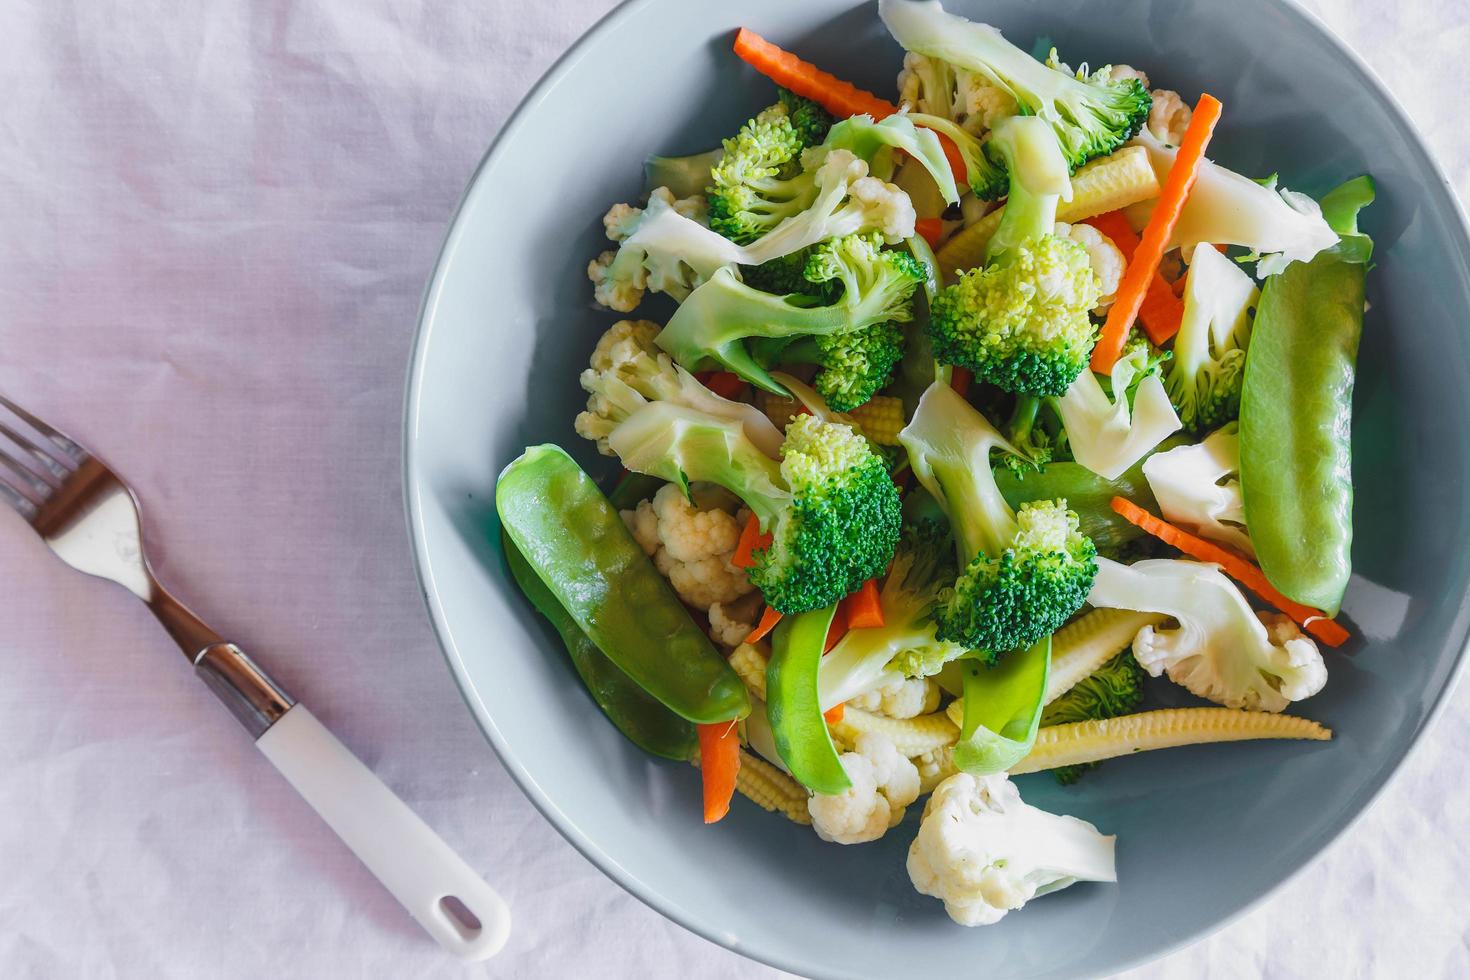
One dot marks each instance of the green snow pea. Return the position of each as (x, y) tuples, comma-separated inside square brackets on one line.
[(795, 713), (581, 550), (635, 712), (1296, 412), (1002, 709)]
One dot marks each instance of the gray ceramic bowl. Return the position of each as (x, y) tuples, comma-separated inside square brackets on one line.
[(1202, 833)]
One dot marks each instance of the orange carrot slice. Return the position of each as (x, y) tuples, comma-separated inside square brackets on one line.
[(930, 229), (1161, 311), (769, 619), (862, 608), (752, 539), (1145, 264), (1327, 630), (834, 714), (841, 98), (726, 384), (719, 764)]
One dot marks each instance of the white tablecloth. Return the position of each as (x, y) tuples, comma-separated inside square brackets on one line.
[(216, 219)]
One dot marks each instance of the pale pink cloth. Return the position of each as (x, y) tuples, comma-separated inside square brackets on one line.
[(216, 220)]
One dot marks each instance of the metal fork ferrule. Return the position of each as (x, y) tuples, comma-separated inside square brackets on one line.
[(255, 700)]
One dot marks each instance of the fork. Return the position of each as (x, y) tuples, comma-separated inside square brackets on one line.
[(91, 519)]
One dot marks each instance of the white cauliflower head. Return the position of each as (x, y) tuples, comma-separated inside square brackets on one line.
[(731, 622), (1105, 258), (664, 246), (1220, 650), (883, 784), (900, 697), (1198, 488), (691, 544), (985, 852), (885, 207), (1169, 117)]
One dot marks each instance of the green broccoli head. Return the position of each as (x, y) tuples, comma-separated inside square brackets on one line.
[(1022, 324), (1204, 379), (1210, 397), (1022, 573), (758, 182), (1007, 601), (809, 121), (853, 337), (786, 275), (1034, 445), (1114, 689), (840, 525), (923, 564)]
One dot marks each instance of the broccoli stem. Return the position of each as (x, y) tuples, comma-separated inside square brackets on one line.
[(683, 446), (1038, 180)]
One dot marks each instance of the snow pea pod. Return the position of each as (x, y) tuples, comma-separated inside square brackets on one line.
[(1002, 709), (635, 712), (1296, 412), (793, 706), (581, 550)]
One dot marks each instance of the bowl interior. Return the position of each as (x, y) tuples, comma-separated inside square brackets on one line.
[(508, 323)]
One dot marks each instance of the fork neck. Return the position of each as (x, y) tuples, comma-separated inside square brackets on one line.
[(187, 629)]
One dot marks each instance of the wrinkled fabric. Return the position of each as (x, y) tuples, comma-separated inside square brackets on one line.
[(216, 221)]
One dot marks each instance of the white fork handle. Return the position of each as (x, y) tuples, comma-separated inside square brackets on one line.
[(411, 861)]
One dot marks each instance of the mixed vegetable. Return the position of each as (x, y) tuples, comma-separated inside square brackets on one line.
[(978, 411)]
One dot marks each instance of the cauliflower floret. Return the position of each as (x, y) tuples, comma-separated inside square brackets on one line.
[(692, 543), (1119, 73), (622, 293), (665, 246), (883, 784), (932, 86), (1220, 650), (901, 697), (1169, 117), (690, 533), (984, 851), (643, 524), (731, 622), (886, 207), (1105, 258)]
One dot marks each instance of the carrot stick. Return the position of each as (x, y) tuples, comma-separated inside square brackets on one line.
[(719, 763), (751, 540), (768, 622), (930, 229), (1145, 264), (834, 714), (838, 97), (1161, 311), (863, 609), (838, 629), (1313, 621), (726, 384), (959, 379)]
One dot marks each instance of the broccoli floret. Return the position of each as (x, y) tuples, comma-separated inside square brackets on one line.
[(1022, 573), (1114, 689), (729, 324), (1209, 351), (758, 180), (828, 502), (1091, 116), (1021, 322), (905, 644), (810, 121), (1034, 445), (787, 274)]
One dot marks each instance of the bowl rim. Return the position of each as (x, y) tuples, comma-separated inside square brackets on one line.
[(413, 490)]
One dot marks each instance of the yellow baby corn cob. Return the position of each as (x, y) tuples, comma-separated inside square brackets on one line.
[(1080, 742), (880, 419), (749, 665), (1106, 184), (769, 788), (911, 736), (1081, 647)]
